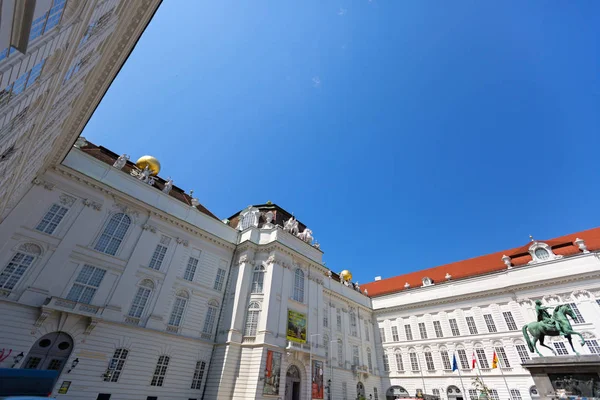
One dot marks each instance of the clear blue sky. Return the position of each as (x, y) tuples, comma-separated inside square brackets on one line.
[(406, 134)]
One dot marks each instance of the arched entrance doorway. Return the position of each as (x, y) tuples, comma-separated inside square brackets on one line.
[(360, 390), (51, 351), (292, 383), (396, 392), (454, 393)]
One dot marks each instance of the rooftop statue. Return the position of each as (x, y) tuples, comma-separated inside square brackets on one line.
[(556, 325), (291, 226), (168, 186), (305, 235), (121, 161)]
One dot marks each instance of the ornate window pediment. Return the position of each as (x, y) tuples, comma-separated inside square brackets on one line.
[(249, 217), (541, 252)]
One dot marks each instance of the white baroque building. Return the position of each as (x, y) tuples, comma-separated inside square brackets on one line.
[(132, 289)]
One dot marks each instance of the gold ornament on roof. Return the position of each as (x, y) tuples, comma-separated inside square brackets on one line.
[(148, 161), (346, 275)]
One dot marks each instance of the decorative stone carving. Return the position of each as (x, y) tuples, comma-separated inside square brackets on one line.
[(305, 236), (291, 226), (581, 244), (507, 261), (121, 161), (406, 285), (541, 252), (525, 302), (31, 248), (225, 221), (91, 326), (40, 320), (329, 274), (581, 294), (271, 259), (127, 210), (148, 227), (269, 219), (448, 276), (93, 204), (243, 259), (247, 218), (366, 292), (66, 200), (427, 281), (80, 142), (168, 186), (45, 184), (182, 241), (317, 245), (552, 299), (144, 175)]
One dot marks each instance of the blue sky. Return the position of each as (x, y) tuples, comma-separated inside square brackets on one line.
[(405, 134)]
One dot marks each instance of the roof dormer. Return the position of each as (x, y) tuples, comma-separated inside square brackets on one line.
[(541, 252), (427, 281)]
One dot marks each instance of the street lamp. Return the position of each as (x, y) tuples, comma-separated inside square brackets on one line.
[(309, 394)]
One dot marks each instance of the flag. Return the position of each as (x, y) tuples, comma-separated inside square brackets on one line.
[(494, 360), (454, 363), (473, 360)]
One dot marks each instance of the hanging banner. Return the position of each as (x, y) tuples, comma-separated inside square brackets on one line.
[(296, 327), (272, 373), (317, 379)]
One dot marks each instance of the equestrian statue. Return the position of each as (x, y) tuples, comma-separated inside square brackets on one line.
[(546, 325)]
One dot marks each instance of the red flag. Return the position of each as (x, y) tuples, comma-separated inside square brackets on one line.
[(474, 361)]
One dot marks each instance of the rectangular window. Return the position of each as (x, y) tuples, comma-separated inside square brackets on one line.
[(86, 284), (578, 317), (593, 346), (15, 270), (489, 321), (437, 326), (510, 321), (355, 356), (561, 350), (160, 371), (209, 322), (375, 394), (483, 362), (494, 394), (471, 325), (445, 360), (429, 361), (395, 336), (344, 391), (523, 353), (454, 327), (115, 366), (502, 357), (414, 361), (369, 361), (408, 332), (139, 302), (515, 394), (422, 330), (177, 312), (386, 363), (54, 14), (367, 331), (158, 256), (353, 327), (340, 348), (338, 319), (50, 222), (382, 335), (325, 318), (473, 394), (399, 362), (198, 374), (35, 73), (462, 356), (220, 279), (190, 269)]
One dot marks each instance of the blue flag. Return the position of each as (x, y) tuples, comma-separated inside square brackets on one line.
[(454, 363)]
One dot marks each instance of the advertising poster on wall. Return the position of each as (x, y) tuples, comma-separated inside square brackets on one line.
[(296, 327), (317, 379), (272, 373)]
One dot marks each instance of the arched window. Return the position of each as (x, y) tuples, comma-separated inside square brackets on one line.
[(114, 232), (429, 359), (542, 254), (18, 265), (340, 351), (248, 218), (481, 357), (211, 316), (141, 298), (399, 361), (252, 319), (299, 285), (178, 307), (258, 278), (51, 351)]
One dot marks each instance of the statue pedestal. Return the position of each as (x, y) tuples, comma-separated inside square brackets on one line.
[(576, 376)]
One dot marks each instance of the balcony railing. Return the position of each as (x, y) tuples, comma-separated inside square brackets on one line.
[(60, 304)]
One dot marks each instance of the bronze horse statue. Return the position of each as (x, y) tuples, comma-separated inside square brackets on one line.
[(540, 329)]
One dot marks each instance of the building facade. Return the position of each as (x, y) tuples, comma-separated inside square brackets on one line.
[(132, 289), (57, 59)]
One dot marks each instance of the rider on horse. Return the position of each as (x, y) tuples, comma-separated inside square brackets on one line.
[(544, 316)]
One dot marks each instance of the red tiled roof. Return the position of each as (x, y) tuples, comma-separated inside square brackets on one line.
[(484, 264)]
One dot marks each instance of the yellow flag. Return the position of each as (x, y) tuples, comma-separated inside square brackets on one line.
[(495, 361)]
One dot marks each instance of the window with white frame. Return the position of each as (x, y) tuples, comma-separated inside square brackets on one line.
[(399, 361), (367, 331), (369, 361), (489, 322), (160, 371), (592, 344), (561, 349), (340, 351), (159, 253), (414, 361), (141, 298), (111, 238), (258, 278), (494, 394), (18, 265), (515, 394), (483, 362), (471, 325), (510, 321), (445, 359), (338, 319), (178, 308), (386, 363), (325, 318), (422, 330), (523, 352), (408, 332), (87, 283), (429, 360), (52, 219), (395, 336), (299, 285), (211, 316), (198, 375), (115, 366), (355, 356), (462, 356), (220, 279), (252, 319), (436, 393), (542, 254), (437, 327), (502, 357), (344, 390), (190, 269), (473, 394), (454, 327), (382, 335), (353, 324), (578, 317)]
